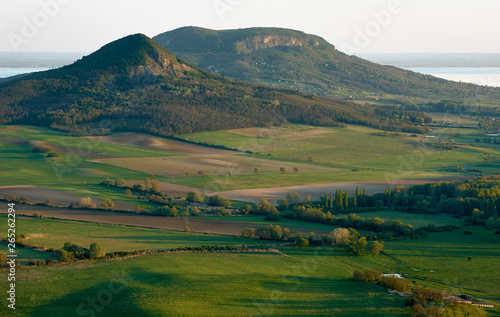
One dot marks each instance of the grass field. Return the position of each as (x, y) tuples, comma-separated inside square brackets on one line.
[(53, 233), (383, 158), (19, 165), (211, 165), (61, 139), (305, 282), (282, 223), (416, 220)]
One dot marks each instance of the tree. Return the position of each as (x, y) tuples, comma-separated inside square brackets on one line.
[(107, 204), (218, 200), (86, 203), (356, 245), (375, 247), (120, 182), (308, 199), (194, 197), (302, 242), (283, 169), (256, 170), (248, 233), (245, 210), (296, 169), (137, 209), (282, 204), (187, 229), (128, 192), (3, 259), (147, 184), (340, 236), (155, 186), (106, 182), (202, 173), (96, 251)]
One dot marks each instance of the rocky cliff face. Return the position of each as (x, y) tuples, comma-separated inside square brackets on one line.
[(259, 42)]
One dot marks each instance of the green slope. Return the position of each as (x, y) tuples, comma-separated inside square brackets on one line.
[(296, 60)]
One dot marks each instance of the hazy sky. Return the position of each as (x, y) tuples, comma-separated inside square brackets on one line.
[(351, 25)]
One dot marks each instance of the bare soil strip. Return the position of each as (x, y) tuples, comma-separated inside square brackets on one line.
[(167, 223)]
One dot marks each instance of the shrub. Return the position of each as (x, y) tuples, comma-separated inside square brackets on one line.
[(23, 200), (42, 149), (107, 204), (194, 197), (218, 200), (86, 203)]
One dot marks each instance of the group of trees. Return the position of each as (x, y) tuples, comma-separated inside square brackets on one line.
[(87, 203), (151, 186), (215, 200), (389, 281), (478, 199), (342, 200), (71, 251), (354, 242), (271, 232)]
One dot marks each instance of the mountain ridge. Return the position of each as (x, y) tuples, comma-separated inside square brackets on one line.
[(319, 69), (134, 84)]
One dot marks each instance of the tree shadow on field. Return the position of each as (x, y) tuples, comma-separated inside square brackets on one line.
[(104, 299)]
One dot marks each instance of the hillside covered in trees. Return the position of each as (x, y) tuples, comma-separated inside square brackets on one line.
[(296, 60), (135, 84)]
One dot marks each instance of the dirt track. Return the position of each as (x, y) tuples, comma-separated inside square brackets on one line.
[(168, 223)]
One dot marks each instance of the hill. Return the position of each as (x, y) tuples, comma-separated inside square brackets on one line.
[(296, 60), (135, 84)]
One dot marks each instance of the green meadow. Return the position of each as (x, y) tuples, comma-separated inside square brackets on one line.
[(53, 233), (309, 281)]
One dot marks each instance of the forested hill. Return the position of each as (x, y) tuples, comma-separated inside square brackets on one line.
[(138, 85), (296, 60)]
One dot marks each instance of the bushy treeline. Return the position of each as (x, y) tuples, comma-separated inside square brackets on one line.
[(389, 281), (70, 252), (478, 198)]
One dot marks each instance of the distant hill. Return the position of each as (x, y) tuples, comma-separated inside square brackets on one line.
[(135, 84), (296, 60)]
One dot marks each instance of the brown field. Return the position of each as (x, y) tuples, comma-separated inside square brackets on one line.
[(168, 223), (150, 142), (40, 195), (211, 164), (317, 190)]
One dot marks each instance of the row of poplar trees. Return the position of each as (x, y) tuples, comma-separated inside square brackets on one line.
[(342, 199)]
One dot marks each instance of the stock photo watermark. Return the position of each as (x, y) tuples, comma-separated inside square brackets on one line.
[(31, 26)]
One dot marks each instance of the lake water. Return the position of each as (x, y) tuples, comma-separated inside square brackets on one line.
[(7, 72), (489, 76)]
